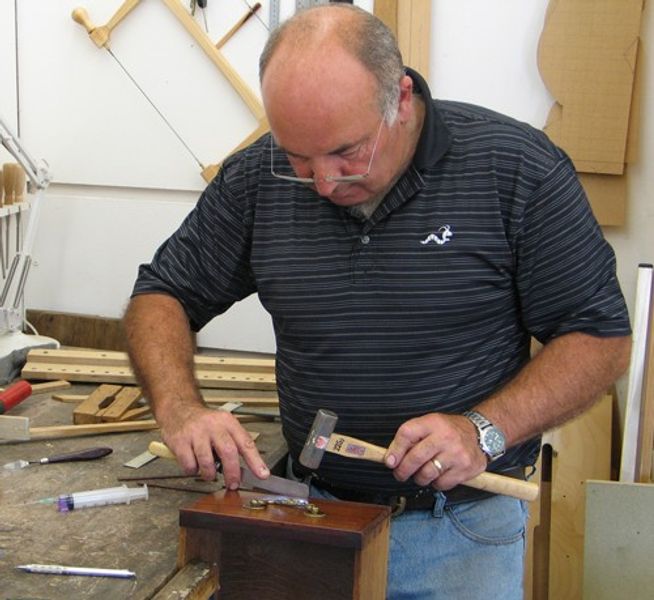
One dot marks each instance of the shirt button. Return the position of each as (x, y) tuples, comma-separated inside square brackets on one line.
[(365, 239)]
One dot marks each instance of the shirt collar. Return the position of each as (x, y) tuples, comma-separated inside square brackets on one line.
[(435, 137)]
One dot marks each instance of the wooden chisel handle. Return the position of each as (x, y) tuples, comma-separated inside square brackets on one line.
[(161, 450), (490, 482)]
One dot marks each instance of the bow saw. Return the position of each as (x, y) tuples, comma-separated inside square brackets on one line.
[(101, 35)]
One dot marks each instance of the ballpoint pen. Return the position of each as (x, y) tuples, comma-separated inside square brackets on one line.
[(86, 571)]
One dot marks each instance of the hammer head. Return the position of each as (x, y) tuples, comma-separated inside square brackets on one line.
[(321, 430)]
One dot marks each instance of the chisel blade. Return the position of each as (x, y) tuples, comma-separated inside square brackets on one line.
[(274, 484)]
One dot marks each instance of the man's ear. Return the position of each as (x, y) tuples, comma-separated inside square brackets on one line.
[(405, 106)]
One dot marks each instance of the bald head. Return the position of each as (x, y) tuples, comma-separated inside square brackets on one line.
[(312, 39)]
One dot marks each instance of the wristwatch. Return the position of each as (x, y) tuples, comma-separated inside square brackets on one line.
[(491, 439)]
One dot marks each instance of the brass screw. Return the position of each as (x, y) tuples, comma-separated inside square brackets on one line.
[(255, 504), (313, 511)]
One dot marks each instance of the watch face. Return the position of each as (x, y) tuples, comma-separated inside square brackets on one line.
[(494, 441)]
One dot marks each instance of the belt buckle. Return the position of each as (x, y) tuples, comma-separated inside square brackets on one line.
[(398, 505)]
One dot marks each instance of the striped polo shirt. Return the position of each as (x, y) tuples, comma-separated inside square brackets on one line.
[(428, 306)]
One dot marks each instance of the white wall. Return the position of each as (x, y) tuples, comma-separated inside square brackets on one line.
[(8, 96), (92, 238)]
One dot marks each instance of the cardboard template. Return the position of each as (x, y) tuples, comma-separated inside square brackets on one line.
[(587, 58)]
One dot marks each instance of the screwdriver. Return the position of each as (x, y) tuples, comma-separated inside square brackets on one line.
[(87, 454)]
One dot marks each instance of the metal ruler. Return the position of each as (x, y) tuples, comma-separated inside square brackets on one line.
[(300, 4), (273, 14)]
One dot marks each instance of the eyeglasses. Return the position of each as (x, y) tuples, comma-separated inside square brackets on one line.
[(328, 178)]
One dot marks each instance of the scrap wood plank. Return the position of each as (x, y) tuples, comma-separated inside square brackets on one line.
[(71, 398), (24, 434), (631, 434), (646, 425), (135, 413), (100, 398), (125, 376), (109, 403), (123, 401), (247, 397), (50, 386), (47, 387), (14, 428), (120, 359), (236, 380), (194, 581)]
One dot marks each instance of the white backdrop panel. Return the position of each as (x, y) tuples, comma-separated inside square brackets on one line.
[(8, 98), (84, 113)]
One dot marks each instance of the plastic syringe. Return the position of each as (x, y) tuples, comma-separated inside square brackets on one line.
[(116, 495)]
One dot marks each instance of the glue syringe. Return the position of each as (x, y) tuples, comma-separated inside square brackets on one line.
[(116, 495)]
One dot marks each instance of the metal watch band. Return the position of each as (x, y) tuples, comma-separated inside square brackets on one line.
[(491, 439)]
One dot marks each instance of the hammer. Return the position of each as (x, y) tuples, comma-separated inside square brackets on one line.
[(322, 438)]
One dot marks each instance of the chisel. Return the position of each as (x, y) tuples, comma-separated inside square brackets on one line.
[(88, 454), (273, 484)]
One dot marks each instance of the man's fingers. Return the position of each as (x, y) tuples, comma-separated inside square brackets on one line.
[(185, 457), (235, 441), (228, 453), (248, 449), (406, 437), (209, 435), (206, 460)]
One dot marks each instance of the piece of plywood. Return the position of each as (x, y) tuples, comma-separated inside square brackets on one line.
[(581, 450), (619, 541), (413, 31), (607, 195), (587, 58), (410, 22)]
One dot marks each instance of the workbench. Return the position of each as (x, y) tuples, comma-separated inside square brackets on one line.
[(141, 537)]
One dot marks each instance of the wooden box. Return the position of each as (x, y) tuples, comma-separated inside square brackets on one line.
[(282, 552)]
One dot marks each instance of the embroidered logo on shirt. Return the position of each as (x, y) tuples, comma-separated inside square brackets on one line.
[(442, 236)]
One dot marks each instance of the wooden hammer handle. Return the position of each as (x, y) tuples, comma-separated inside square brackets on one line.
[(490, 482), (507, 486)]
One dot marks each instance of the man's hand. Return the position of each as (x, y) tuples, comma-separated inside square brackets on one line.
[(162, 358), (422, 444), (197, 435)]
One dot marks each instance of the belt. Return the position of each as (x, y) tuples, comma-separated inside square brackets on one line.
[(423, 500)]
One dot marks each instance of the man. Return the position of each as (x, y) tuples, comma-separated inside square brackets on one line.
[(407, 250)]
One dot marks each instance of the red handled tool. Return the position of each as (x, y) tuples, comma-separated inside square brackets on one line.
[(14, 394)]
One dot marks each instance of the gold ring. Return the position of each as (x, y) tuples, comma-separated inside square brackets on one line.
[(437, 464)]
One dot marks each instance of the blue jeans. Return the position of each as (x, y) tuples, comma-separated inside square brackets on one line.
[(469, 551)]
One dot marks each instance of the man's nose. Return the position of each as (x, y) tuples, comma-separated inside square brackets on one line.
[(322, 170), (323, 187)]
